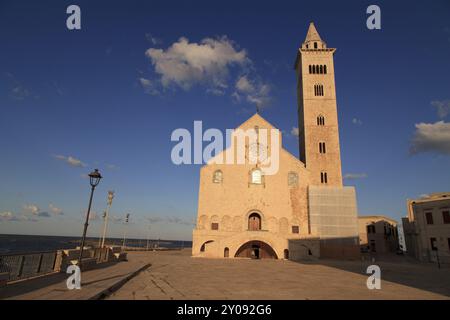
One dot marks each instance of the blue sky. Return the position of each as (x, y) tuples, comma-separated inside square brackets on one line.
[(110, 95)]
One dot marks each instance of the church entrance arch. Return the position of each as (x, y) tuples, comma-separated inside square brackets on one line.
[(256, 250)]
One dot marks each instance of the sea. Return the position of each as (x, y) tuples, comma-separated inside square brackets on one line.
[(17, 243)]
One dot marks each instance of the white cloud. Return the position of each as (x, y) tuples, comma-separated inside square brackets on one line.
[(255, 92), (72, 161), (31, 208), (443, 108), (171, 220), (148, 86), (35, 211), (244, 85), (152, 39), (357, 121), (55, 210), (353, 176), (295, 132), (16, 90), (185, 64), (9, 216), (431, 137), (111, 166)]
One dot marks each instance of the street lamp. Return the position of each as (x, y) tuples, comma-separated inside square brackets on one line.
[(148, 236), (105, 226), (125, 230), (100, 237), (94, 179)]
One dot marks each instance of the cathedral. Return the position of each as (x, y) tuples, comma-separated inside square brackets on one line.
[(302, 211)]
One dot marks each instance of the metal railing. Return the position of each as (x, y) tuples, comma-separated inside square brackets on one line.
[(27, 265)]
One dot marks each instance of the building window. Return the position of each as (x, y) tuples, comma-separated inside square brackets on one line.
[(214, 226), (433, 244), (226, 252), (323, 177), (217, 176), (371, 228), (446, 216), (373, 247), (322, 148), (315, 45), (320, 120), (310, 69), (325, 69), (318, 90), (292, 179), (321, 69), (256, 176), (295, 229), (286, 254), (254, 222), (429, 217)]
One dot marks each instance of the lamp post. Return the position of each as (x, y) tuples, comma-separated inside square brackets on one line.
[(148, 236), (125, 230), (105, 226), (100, 237), (94, 179)]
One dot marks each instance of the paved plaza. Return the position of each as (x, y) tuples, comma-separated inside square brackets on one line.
[(176, 275)]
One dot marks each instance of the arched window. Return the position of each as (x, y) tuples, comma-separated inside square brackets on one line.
[(226, 252), (256, 176), (325, 69), (321, 69), (313, 69), (254, 222), (292, 179), (315, 45), (320, 120), (217, 176), (310, 69)]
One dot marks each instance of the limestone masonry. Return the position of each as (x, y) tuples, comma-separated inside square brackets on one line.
[(301, 212)]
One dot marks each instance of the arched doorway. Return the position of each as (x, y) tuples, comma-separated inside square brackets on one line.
[(256, 250), (254, 222), (203, 247)]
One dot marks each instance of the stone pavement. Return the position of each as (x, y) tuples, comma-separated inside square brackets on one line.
[(94, 283), (176, 275)]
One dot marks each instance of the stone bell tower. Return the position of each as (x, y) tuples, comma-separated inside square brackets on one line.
[(317, 111)]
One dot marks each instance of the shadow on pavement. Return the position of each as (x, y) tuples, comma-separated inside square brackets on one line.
[(397, 269)]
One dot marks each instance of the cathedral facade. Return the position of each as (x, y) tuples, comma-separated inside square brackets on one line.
[(303, 210)]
